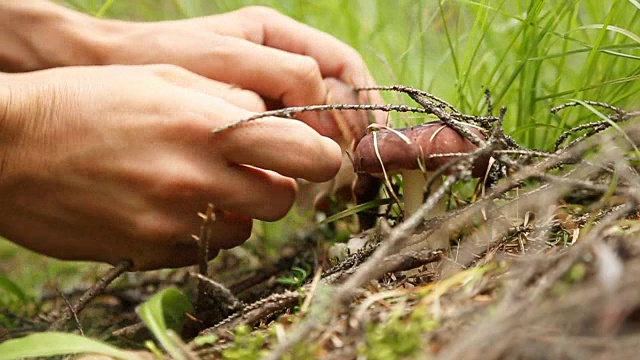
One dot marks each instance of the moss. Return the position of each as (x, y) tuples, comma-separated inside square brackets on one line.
[(247, 345), (400, 337), (253, 345)]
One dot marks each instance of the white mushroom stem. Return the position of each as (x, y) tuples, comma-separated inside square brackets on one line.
[(414, 183)]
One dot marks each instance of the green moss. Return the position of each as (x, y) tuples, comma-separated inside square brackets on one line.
[(400, 337), (247, 345), (253, 345)]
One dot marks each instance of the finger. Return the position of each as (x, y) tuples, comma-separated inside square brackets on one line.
[(336, 59), (179, 76), (346, 127), (290, 148), (227, 231), (180, 248), (189, 182), (241, 189), (293, 79), (268, 27), (220, 240), (259, 194)]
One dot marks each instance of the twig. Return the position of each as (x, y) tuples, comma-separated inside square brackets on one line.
[(525, 152), (75, 314), (260, 309), (589, 102), (223, 297), (91, 293), (352, 260), (487, 99), (596, 126), (129, 331), (288, 112), (263, 275), (257, 311), (412, 92), (203, 256)]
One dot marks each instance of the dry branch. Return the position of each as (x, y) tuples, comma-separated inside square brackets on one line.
[(90, 294)]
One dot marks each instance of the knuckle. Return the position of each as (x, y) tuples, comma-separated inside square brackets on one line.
[(251, 101), (179, 186), (306, 70), (358, 59), (191, 126), (188, 125)]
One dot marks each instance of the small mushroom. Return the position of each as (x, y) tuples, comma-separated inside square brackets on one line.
[(404, 150)]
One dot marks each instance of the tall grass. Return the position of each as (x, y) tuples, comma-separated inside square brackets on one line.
[(532, 54)]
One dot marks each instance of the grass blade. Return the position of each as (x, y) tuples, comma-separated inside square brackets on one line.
[(628, 33), (56, 343), (13, 289), (356, 209)]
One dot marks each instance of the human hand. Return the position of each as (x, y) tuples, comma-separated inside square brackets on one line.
[(255, 48), (287, 63), (112, 163)]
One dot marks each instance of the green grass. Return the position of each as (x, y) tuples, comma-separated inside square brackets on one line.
[(531, 54), (32, 272)]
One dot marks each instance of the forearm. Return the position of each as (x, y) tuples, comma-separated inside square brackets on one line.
[(38, 34)]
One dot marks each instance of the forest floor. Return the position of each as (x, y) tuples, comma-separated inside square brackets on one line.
[(544, 264)]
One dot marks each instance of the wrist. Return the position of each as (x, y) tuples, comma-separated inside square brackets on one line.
[(23, 109), (39, 35)]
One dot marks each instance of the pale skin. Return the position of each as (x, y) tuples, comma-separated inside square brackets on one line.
[(106, 151)]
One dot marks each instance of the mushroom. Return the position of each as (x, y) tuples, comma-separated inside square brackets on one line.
[(405, 151)]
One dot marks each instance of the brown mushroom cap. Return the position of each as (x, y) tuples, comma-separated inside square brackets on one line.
[(398, 155)]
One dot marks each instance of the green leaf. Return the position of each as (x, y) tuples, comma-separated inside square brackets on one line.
[(56, 343), (13, 289), (165, 311)]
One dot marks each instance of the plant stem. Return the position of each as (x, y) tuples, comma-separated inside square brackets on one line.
[(414, 183)]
